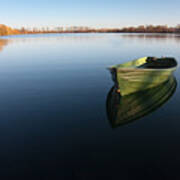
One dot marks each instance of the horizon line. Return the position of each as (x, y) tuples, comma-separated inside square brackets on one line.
[(91, 27)]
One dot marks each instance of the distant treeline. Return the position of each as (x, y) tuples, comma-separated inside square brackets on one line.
[(5, 30)]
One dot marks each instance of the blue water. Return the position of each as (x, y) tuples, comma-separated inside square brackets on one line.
[(53, 116)]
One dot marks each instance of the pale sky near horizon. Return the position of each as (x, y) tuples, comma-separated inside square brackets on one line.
[(93, 13)]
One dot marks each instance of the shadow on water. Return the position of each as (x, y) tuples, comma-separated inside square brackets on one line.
[(122, 110)]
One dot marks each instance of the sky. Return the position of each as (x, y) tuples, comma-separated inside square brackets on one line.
[(92, 13)]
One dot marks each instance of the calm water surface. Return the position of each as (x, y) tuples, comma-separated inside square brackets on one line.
[(53, 110)]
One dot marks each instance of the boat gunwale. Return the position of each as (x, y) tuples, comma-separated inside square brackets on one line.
[(143, 69)]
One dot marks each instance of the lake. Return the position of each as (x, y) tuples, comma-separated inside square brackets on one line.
[(55, 123)]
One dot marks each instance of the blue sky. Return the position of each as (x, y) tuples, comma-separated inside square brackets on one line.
[(93, 13)]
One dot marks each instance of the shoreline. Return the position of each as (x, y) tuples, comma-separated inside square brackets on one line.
[(159, 29), (135, 33)]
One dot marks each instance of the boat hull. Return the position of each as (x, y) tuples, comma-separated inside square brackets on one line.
[(132, 79)]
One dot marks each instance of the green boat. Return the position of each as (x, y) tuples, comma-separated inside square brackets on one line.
[(122, 110), (141, 74)]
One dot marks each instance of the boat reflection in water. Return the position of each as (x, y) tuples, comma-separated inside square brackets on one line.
[(125, 109)]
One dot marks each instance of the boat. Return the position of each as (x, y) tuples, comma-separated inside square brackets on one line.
[(141, 74), (123, 110)]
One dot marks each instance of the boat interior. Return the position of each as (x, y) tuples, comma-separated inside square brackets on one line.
[(159, 63)]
